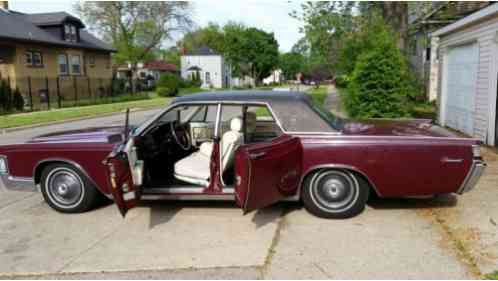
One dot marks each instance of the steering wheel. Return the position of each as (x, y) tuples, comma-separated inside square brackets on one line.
[(181, 137)]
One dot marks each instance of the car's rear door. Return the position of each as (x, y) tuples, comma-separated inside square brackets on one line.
[(125, 176), (267, 172)]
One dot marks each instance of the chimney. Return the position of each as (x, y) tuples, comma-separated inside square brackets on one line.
[(4, 5)]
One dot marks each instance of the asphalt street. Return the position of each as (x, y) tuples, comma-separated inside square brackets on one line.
[(450, 237)]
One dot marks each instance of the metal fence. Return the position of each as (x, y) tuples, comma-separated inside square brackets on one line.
[(66, 91)]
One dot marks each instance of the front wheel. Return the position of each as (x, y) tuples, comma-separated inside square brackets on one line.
[(67, 190), (334, 194)]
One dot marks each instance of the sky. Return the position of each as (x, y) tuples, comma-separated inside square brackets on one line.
[(269, 15)]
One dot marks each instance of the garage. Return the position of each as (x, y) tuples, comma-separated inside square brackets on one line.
[(467, 74), (461, 87)]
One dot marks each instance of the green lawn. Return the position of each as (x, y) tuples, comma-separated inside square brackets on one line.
[(40, 117), (319, 94), (492, 276)]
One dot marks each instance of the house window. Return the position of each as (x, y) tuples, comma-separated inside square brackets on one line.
[(91, 61), (33, 59), (208, 78), (63, 66), (70, 34), (427, 54), (28, 58), (76, 64)]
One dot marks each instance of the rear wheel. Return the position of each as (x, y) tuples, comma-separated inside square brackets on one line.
[(334, 194), (67, 190)]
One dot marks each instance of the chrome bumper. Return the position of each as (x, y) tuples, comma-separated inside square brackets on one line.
[(18, 183), (475, 173)]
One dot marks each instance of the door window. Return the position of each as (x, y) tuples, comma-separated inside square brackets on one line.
[(260, 125)]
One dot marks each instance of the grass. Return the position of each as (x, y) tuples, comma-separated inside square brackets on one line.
[(189, 91), (40, 117), (424, 110), (318, 95), (105, 100), (492, 276)]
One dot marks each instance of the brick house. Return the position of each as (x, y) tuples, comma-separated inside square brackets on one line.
[(47, 55)]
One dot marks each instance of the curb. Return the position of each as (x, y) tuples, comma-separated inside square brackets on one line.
[(27, 127)]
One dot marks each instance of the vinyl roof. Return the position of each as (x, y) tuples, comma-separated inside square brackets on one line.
[(239, 96)]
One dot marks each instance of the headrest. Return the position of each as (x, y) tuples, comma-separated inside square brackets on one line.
[(236, 124), (250, 121)]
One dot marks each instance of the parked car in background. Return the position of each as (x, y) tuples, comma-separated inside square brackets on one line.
[(254, 147)]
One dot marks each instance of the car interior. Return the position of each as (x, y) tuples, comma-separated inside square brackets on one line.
[(175, 151)]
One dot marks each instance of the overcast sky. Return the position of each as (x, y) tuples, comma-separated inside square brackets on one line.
[(269, 15)]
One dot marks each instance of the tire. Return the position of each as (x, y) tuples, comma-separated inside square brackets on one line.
[(336, 194), (67, 190)]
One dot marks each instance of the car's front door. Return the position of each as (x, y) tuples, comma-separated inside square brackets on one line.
[(125, 176), (267, 172)]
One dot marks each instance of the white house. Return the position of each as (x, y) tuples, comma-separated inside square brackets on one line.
[(213, 71), (275, 77), (465, 75)]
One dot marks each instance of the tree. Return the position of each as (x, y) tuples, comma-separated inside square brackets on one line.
[(211, 36), (291, 64), (261, 52), (171, 55), (18, 100), (380, 83), (136, 29), (396, 15)]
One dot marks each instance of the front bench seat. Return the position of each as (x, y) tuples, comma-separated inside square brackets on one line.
[(195, 168)]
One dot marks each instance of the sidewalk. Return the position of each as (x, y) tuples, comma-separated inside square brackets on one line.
[(333, 102)]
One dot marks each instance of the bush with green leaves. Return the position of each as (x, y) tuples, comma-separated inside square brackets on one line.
[(5, 97), (342, 81), (168, 85), (18, 100), (380, 85)]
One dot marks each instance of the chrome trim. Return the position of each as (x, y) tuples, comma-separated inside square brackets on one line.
[(475, 172), (451, 160), (6, 160), (189, 197), (18, 183), (217, 122), (70, 162), (143, 128), (174, 190), (337, 166)]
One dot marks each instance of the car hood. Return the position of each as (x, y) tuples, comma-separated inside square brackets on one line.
[(391, 127), (89, 135)]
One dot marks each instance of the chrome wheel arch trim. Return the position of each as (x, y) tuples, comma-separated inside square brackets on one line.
[(74, 164), (340, 167)]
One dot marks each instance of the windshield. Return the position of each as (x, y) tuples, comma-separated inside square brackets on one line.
[(336, 122)]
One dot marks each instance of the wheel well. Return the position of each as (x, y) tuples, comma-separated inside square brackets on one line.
[(364, 179), (39, 169)]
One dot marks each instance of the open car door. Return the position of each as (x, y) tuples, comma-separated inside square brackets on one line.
[(125, 176), (267, 172)]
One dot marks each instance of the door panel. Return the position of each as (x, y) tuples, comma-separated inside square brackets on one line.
[(124, 188), (461, 84), (267, 172)]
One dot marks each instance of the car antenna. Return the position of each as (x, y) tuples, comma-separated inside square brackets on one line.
[(127, 126)]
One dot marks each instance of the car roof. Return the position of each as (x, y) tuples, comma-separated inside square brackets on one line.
[(245, 96)]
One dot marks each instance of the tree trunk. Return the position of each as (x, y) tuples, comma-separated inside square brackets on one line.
[(396, 15)]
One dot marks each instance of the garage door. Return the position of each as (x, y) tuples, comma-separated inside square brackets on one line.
[(461, 87)]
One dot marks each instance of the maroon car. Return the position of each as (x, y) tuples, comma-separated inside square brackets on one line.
[(256, 148)]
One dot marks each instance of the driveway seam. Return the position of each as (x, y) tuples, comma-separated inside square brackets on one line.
[(93, 245), (282, 223)]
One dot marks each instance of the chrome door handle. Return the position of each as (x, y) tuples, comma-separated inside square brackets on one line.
[(451, 160), (257, 155)]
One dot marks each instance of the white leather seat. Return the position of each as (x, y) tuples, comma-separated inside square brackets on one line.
[(195, 168)]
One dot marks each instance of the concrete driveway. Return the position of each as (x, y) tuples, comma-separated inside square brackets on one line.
[(444, 238)]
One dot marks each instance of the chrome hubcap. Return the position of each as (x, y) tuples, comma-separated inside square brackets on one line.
[(334, 190), (65, 187)]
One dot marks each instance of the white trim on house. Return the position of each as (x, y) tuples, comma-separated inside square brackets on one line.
[(488, 11)]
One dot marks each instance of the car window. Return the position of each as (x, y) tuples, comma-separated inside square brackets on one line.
[(260, 125), (228, 112), (185, 112), (206, 113)]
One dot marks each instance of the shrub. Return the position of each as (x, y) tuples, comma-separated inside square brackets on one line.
[(380, 83), (5, 96), (18, 100), (2, 95), (342, 81), (168, 85)]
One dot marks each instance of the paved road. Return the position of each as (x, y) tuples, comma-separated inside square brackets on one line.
[(446, 238)]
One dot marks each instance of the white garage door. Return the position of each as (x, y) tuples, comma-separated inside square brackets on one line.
[(461, 87)]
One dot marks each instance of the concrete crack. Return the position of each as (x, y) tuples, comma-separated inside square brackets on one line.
[(276, 239)]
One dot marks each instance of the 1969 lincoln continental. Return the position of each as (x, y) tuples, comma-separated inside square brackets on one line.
[(253, 147)]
